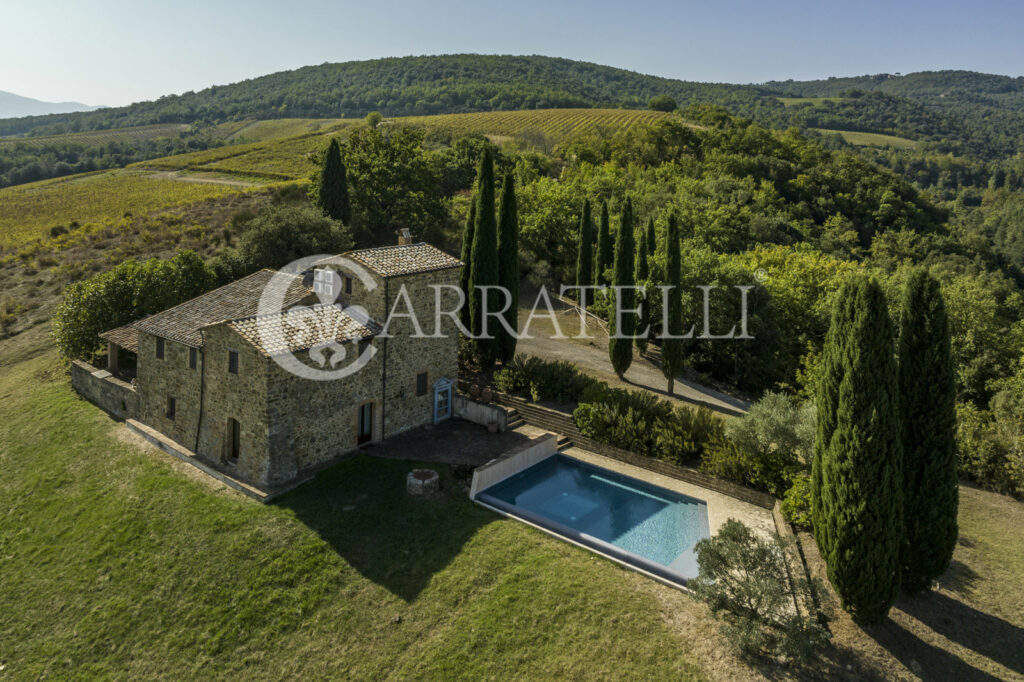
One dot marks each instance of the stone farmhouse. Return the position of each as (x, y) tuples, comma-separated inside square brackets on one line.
[(208, 375)]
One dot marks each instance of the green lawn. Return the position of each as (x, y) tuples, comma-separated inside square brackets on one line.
[(118, 562), (871, 139)]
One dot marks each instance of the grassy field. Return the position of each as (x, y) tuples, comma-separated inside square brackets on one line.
[(260, 131), (871, 139), (98, 137), (793, 101), (117, 562), (29, 211)]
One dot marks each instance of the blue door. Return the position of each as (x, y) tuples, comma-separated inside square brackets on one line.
[(442, 400)]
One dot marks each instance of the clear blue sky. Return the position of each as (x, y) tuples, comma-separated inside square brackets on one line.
[(114, 52)]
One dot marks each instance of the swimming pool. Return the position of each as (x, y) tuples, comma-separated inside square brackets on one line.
[(632, 521)]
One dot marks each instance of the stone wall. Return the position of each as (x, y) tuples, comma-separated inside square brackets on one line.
[(101, 388), (312, 422), (480, 413), (243, 397), (159, 379), (408, 356)]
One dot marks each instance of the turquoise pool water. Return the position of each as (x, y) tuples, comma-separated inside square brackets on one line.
[(636, 522)]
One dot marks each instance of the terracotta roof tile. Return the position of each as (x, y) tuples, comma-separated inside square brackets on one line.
[(304, 327), (232, 301), (404, 259), (126, 337)]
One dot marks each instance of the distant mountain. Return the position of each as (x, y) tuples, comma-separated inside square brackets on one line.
[(13, 106)]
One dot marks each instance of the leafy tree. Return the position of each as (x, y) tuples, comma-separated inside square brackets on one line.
[(928, 419), (672, 348), (283, 233), (508, 266), (391, 185), (373, 119), (585, 253), (652, 237), (605, 248), (857, 471), (483, 271), (623, 324), (125, 293), (331, 186), (662, 103), (467, 258)]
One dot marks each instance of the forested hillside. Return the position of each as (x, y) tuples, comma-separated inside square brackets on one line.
[(978, 118)]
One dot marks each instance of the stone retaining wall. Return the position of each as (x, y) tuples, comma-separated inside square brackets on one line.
[(480, 413), (103, 389)]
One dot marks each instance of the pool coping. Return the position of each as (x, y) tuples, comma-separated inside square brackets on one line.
[(623, 557), (632, 561)]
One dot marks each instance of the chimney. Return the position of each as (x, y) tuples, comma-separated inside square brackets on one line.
[(404, 236)]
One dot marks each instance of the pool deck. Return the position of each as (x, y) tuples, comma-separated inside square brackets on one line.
[(721, 507)]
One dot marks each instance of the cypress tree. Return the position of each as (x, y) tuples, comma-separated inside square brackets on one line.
[(483, 268), (467, 257), (585, 253), (604, 247), (508, 266), (620, 350), (642, 274), (672, 349), (332, 188), (928, 420), (857, 475), (652, 237)]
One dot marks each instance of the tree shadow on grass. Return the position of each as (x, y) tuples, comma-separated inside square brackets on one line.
[(925, 660), (987, 635), (398, 541)]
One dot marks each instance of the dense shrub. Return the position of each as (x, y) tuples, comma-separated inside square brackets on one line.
[(645, 424), (746, 577), (536, 379), (796, 503), (283, 233), (990, 446)]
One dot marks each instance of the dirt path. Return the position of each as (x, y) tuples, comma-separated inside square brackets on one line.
[(591, 356), (185, 176)]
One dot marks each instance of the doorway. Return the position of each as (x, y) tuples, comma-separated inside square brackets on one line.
[(442, 400), (364, 433), (234, 436)]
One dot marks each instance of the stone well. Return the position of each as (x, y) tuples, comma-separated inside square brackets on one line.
[(422, 482)]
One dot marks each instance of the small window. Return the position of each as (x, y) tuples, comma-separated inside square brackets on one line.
[(348, 285), (323, 282), (233, 361), (171, 405), (421, 383), (160, 348), (192, 357)]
